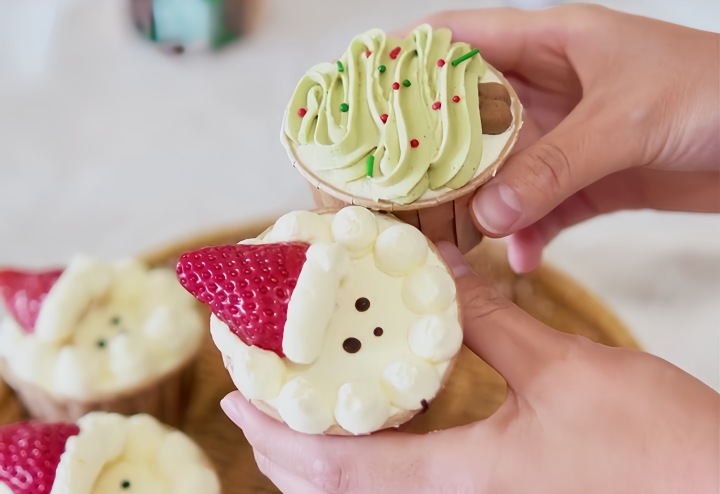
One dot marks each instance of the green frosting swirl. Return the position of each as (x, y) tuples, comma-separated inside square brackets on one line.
[(335, 144)]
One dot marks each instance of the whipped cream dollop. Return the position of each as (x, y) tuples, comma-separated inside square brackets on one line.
[(361, 345), (114, 454), (401, 102), (103, 328)]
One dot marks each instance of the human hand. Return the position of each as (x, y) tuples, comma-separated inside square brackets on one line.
[(579, 417), (622, 112)]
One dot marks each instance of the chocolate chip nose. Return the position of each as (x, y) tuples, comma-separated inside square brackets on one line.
[(352, 345)]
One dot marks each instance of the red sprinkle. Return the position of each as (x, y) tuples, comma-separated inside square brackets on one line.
[(396, 86), (368, 53), (393, 54), (383, 117), (414, 143), (436, 105), (441, 62), (302, 112), (456, 98)]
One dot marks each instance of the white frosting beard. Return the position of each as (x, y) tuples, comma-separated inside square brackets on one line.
[(354, 254), (137, 452), (103, 328), (4, 489)]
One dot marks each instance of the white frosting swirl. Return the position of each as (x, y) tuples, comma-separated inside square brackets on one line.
[(355, 228), (303, 407), (410, 383), (435, 338), (429, 290), (257, 373), (362, 407), (400, 250), (300, 226)]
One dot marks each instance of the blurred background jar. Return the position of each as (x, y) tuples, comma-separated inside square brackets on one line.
[(179, 26)]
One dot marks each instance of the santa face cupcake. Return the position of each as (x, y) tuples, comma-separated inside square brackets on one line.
[(98, 335), (411, 126), (338, 322), (104, 453)]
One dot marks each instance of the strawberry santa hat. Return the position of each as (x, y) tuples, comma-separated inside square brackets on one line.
[(248, 287), (29, 455), (24, 292), (48, 304)]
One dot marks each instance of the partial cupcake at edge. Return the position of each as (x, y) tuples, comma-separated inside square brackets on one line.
[(334, 322), (113, 336), (104, 453), (411, 126)]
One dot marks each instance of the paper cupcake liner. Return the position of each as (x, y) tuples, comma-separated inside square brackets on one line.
[(442, 218), (10, 408), (165, 398)]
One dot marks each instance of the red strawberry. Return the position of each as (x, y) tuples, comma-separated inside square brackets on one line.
[(24, 292), (30, 453), (248, 287)]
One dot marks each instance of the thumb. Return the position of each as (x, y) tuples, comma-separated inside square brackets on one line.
[(585, 147), (511, 341)]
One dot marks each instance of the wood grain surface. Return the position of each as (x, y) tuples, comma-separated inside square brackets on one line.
[(474, 391)]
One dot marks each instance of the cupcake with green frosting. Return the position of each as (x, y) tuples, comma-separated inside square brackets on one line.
[(411, 126)]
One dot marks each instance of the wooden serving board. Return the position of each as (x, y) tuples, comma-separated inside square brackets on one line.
[(474, 391)]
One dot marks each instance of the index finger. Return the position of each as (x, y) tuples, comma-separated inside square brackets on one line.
[(529, 43), (379, 462), (322, 460)]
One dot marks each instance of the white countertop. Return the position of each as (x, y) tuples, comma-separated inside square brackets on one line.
[(108, 147)]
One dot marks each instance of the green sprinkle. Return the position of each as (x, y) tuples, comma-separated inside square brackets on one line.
[(465, 57), (370, 162), (344, 107), (381, 69), (101, 343), (406, 83), (115, 320), (125, 484), (340, 66)]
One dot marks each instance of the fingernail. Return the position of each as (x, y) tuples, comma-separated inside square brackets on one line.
[(231, 410), (454, 259), (496, 208)]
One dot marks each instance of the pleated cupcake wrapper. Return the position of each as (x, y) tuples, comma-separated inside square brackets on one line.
[(165, 398)]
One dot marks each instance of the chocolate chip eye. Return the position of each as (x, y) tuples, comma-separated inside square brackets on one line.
[(352, 345), (125, 484), (362, 304), (378, 332)]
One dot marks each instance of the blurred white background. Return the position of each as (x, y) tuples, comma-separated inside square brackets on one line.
[(109, 148)]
